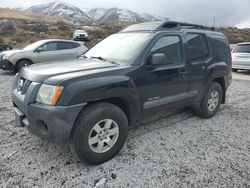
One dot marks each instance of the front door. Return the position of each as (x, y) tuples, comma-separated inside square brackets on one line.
[(47, 52), (165, 85)]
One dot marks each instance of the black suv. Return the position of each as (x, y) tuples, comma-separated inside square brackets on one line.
[(91, 102)]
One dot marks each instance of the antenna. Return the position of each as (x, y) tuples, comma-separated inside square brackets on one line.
[(214, 21)]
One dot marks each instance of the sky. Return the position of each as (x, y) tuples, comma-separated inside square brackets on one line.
[(224, 12)]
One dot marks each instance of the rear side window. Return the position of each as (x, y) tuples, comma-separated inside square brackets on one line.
[(75, 45), (195, 49), (171, 47), (205, 45), (197, 46), (67, 45), (242, 48)]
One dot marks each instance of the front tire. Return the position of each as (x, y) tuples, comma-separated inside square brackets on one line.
[(23, 63), (234, 70), (211, 101), (99, 133)]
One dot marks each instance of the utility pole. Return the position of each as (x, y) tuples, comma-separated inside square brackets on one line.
[(214, 21)]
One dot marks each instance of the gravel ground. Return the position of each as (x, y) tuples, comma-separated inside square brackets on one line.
[(169, 150)]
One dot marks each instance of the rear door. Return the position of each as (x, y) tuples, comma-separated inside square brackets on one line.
[(199, 57), (69, 50)]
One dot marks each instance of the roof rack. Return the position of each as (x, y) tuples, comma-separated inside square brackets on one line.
[(159, 26)]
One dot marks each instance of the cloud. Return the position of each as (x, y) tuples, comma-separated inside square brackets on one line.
[(225, 12)]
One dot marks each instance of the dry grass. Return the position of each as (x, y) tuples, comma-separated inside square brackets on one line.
[(13, 14)]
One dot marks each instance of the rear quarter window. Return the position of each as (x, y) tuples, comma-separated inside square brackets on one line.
[(221, 49)]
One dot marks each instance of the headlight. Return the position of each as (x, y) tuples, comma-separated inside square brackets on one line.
[(7, 56), (48, 94)]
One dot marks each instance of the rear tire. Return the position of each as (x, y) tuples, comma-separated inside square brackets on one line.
[(23, 63), (211, 101), (99, 133), (234, 70)]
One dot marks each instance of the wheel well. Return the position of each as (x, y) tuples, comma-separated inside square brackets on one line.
[(121, 103), (221, 81), (22, 60)]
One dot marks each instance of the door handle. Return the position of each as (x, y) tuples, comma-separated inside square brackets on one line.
[(183, 73)]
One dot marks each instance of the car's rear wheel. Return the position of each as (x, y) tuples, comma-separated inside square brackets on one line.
[(23, 63), (99, 133), (211, 101), (234, 70)]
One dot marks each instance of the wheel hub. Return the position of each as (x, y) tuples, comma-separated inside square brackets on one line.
[(103, 136), (213, 100)]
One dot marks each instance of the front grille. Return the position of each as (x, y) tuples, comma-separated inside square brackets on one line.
[(22, 85)]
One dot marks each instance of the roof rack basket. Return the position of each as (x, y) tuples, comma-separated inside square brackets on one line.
[(159, 26)]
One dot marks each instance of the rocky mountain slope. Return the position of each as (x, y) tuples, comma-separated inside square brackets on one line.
[(98, 14), (60, 9)]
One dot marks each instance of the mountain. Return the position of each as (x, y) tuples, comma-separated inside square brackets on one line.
[(58, 8), (114, 14), (98, 14)]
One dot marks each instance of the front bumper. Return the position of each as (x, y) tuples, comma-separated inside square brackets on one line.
[(6, 65), (52, 123)]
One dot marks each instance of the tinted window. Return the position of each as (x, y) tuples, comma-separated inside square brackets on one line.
[(75, 45), (65, 45), (52, 46), (171, 47), (205, 45), (195, 50), (242, 48)]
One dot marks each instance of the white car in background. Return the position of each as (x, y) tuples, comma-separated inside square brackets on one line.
[(241, 57), (41, 51), (80, 35)]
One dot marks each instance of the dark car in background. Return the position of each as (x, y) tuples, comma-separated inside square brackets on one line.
[(5, 47)]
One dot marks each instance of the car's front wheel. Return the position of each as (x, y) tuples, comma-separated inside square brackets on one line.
[(211, 101), (99, 133), (22, 63)]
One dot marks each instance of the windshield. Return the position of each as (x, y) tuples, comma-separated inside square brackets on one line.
[(120, 48), (242, 48), (34, 45)]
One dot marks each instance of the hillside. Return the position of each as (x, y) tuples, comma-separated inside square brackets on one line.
[(22, 28), (60, 9), (74, 13), (14, 14)]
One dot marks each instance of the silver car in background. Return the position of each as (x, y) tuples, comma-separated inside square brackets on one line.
[(41, 51), (241, 57), (80, 35)]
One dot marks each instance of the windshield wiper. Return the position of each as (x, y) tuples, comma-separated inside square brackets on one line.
[(103, 59)]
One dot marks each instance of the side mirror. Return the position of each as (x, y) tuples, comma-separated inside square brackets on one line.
[(159, 59), (39, 50)]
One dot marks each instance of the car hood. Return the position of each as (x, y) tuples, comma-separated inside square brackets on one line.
[(41, 72), (10, 52)]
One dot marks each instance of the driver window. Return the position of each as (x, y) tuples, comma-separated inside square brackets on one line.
[(170, 46), (52, 46)]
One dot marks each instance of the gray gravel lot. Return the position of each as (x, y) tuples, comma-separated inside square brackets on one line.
[(169, 150)]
